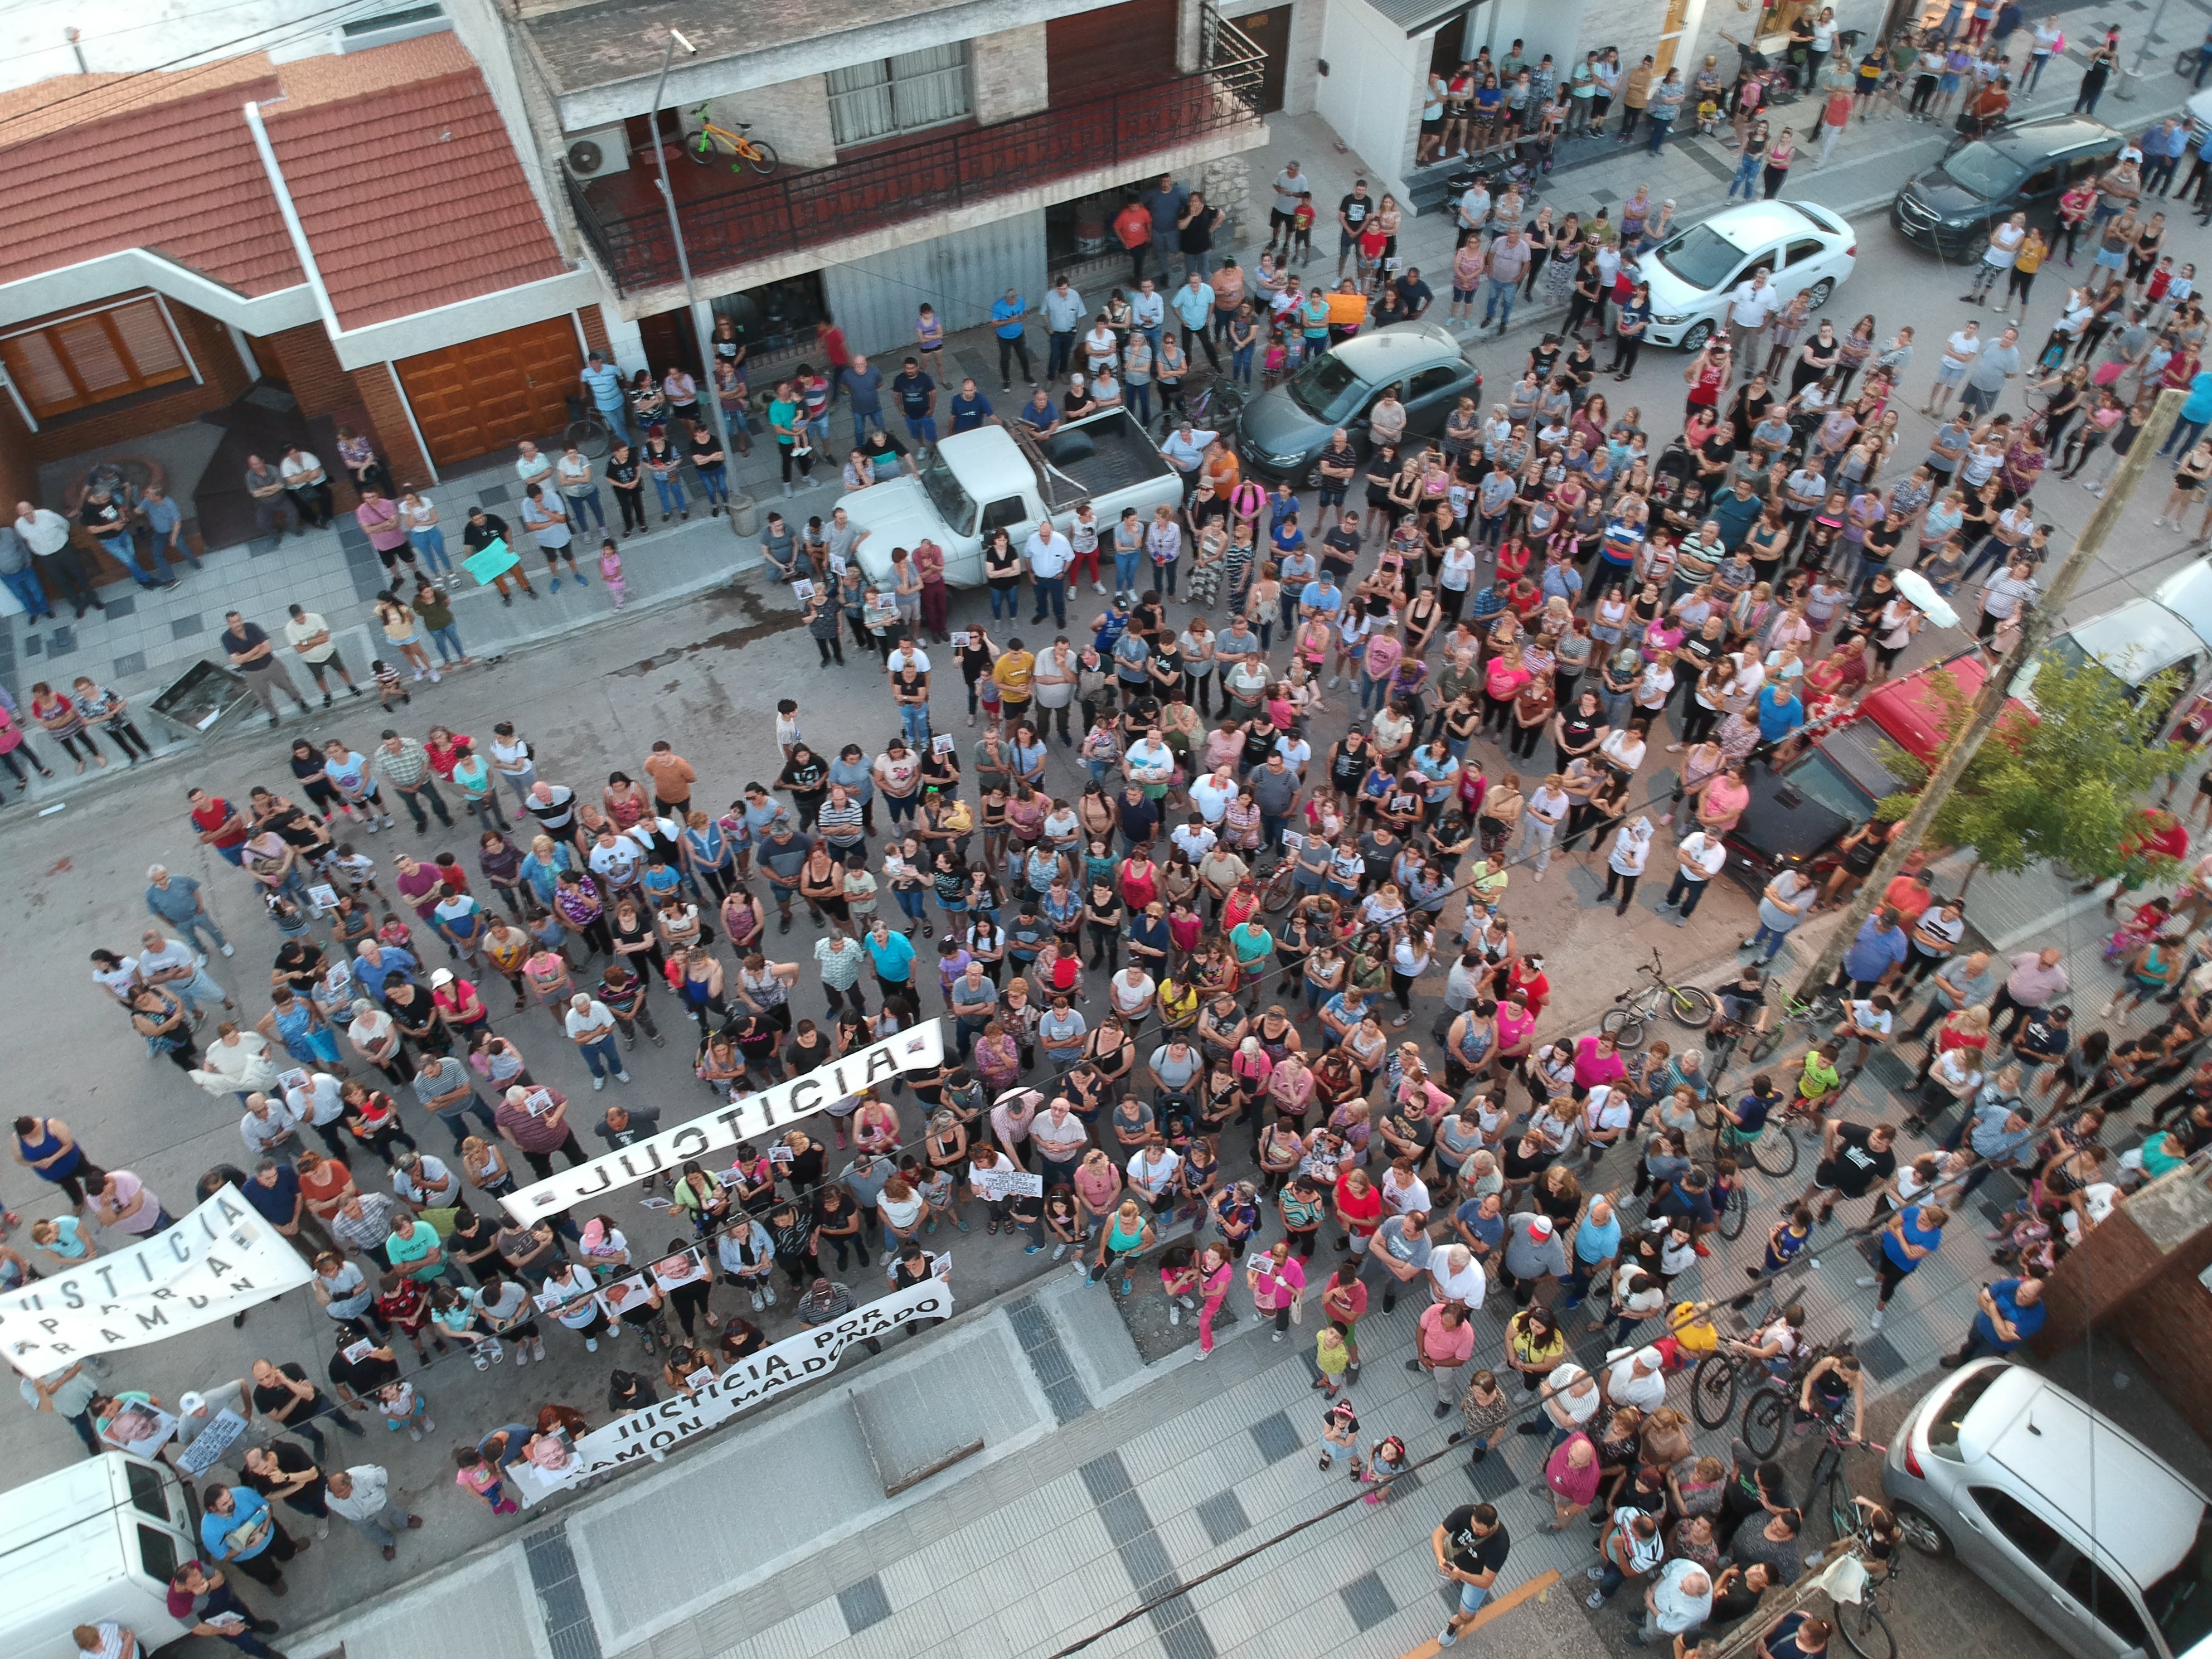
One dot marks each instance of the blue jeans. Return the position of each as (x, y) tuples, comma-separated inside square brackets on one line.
[(922, 428), (588, 502), (2183, 438), (913, 724), (1138, 394), (1373, 693), (24, 585), (430, 547), (1746, 178), (125, 552), (1167, 576), (449, 643), (1768, 939), (1063, 353), (715, 480), (1052, 589), (1011, 599), (670, 491), (601, 1057), (1125, 572), (1500, 299), (865, 418), (456, 1119), (1659, 132), (1240, 364), (191, 929), (914, 902)]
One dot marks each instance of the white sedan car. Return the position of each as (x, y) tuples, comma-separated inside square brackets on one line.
[(1806, 248)]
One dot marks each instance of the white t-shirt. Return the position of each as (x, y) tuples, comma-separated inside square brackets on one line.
[(1465, 1288), (2004, 246), (1212, 797), (1962, 346), (1129, 999), (293, 470), (305, 628), (1706, 856), (1646, 1394)]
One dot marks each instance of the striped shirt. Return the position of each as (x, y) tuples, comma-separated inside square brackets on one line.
[(841, 826)]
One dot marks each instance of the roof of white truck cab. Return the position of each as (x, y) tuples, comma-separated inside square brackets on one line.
[(62, 1532)]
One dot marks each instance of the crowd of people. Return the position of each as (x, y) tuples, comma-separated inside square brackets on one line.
[(1180, 962)]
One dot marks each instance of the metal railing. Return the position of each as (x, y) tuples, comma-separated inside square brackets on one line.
[(746, 219)]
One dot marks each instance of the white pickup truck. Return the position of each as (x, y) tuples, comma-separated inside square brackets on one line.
[(977, 482)]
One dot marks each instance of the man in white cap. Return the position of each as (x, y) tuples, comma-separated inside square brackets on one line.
[(1634, 1377), (198, 1410)]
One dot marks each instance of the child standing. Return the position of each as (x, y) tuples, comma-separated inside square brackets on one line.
[(480, 1475), (1340, 1431), (1330, 1360), (611, 571), (787, 734), (1388, 1458), (404, 1408), (1179, 1279)]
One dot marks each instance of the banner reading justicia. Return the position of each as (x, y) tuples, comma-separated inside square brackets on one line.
[(755, 1117), (643, 1435)]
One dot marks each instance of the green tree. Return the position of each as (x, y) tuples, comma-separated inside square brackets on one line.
[(2064, 784)]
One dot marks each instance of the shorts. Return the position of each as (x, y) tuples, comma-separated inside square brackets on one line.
[(1948, 372), (1345, 242), (1471, 1598), (1463, 296), (2110, 259), (1278, 220), (1827, 1178), (1429, 128)]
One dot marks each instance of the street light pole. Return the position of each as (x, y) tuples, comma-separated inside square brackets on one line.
[(2042, 621), (704, 332)]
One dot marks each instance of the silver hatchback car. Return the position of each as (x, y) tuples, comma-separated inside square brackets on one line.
[(2073, 1520)]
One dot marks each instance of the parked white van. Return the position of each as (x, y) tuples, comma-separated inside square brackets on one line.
[(98, 1539)]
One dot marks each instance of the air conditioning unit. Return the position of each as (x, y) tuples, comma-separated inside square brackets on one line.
[(596, 154)]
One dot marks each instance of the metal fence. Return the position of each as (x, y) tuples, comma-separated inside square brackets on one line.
[(748, 218)]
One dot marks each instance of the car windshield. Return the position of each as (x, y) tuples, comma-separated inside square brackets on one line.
[(1820, 779), (1700, 256), (1984, 169), (953, 504), (2181, 1603), (1943, 1423), (1326, 389)]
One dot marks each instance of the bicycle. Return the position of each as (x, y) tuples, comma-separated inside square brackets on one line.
[(1864, 1628), (1721, 1374), (705, 145), (1816, 1018), (1690, 1004), (587, 429), (1773, 1149)]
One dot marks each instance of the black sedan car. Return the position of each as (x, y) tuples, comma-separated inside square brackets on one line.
[(1281, 433), (2023, 167)]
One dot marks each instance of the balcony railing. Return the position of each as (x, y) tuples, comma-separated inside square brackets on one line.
[(739, 220)]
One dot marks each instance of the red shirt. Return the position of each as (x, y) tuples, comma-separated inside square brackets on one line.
[(1908, 897), (1360, 1215), (833, 347), (206, 818), (2172, 843)]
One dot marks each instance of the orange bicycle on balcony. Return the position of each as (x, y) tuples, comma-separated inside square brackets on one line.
[(707, 144)]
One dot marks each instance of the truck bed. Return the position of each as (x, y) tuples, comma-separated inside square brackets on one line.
[(1100, 454)]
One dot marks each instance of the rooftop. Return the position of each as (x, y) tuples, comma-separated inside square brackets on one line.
[(616, 41)]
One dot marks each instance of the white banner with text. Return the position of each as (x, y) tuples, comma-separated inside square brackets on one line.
[(652, 1433), (219, 1260), (754, 1118)]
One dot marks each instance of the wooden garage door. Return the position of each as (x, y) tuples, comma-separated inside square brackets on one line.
[(490, 394), (1102, 51)]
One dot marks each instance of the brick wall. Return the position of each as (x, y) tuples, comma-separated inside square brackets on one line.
[(303, 359), (377, 393), (223, 378), (1007, 72), (594, 324), (793, 115)]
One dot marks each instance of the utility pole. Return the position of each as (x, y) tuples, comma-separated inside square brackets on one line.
[(701, 325), (2041, 622)]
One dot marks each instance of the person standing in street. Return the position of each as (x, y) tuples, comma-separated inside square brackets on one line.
[(2006, 1314), (1009, 323), (1913, 1235), (176, 900), (309, 636), (547, 520), (238, 1527), (1064, 312), (362, 1496), (1471, 1548), (200, 1598), (2035, 979), (47, 533), (253, 654)]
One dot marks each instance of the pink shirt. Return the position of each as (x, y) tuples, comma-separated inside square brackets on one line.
[(1591, 1069), (379, 520), (1383, 655), (1725, 803), (1447, 1348), (1576, 1485), (1276, 1284)]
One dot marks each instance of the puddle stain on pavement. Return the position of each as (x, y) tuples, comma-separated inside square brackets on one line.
[(757, 623)]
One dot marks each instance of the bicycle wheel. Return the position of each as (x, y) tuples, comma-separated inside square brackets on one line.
[(1712, 1390), (591, 436), (1766, 1420), (1865, 1631), (1836, 1498), (1625, 1026), (1765, 1042), (699, 147), (1281, 887), (763, 160), (1734, 1217), (1777, 1154), (1691, 1006)]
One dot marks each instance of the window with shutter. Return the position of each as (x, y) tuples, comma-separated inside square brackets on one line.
[(889, 95), (95, 357)]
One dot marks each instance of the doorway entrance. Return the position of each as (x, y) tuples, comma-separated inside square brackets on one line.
[(1270, 31), (1678, 31)]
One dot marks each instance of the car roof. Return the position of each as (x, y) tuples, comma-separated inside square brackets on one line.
[(2138, 640), (2050, 135), (2188, 594), (2140, 1513), (1754, 224), (1396, 348)]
